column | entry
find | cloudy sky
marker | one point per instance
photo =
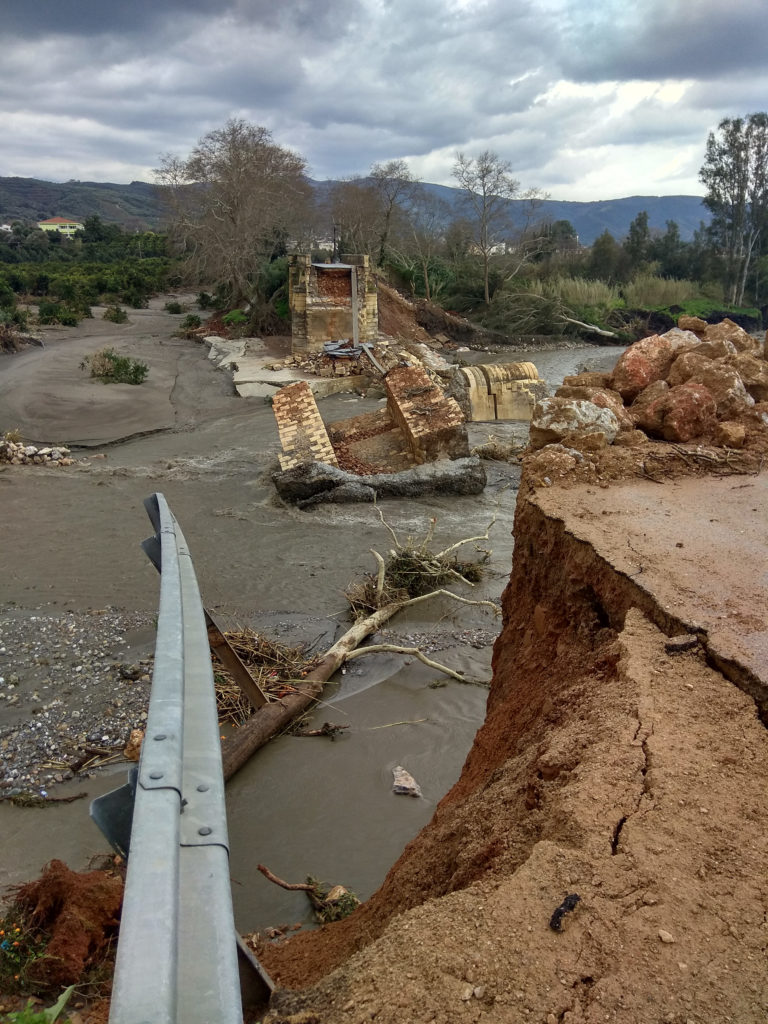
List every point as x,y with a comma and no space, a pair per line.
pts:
588,99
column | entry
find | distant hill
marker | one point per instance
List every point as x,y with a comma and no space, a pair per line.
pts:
614,215
139,206
132,206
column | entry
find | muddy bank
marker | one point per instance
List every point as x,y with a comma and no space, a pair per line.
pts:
613,765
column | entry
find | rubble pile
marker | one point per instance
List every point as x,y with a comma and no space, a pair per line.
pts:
698,382
19,454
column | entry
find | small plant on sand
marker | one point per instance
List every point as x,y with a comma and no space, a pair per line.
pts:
13,435
29,1015
111,368
174,307
115,314
189,325
205,300
20,946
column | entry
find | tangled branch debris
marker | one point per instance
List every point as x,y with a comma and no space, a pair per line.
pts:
330,903
414,571
275,667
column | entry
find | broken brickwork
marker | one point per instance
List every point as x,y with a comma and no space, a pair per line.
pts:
331,302
301,428
433,424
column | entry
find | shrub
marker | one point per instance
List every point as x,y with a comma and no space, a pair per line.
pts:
135,298
56,313
115,314
174,307
190,322
647,291
205,300
235,318
111,368
578,292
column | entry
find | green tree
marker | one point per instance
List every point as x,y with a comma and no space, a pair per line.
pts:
235,201
637,244
607,259
735,173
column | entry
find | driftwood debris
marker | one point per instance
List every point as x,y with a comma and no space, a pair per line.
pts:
413,573
326,729
330,902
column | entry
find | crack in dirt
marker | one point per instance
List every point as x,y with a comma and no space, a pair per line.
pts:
646,790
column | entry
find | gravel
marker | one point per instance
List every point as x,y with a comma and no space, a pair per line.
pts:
72,686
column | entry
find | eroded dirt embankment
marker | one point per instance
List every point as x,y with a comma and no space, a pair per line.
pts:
608,767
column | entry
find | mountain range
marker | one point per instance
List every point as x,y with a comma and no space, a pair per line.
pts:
139,206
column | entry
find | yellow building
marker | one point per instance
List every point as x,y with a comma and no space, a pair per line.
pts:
61,224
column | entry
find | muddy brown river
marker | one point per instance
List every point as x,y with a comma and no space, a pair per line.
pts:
302,806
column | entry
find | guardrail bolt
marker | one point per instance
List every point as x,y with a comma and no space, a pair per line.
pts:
160,736
155,775
203,787
204,831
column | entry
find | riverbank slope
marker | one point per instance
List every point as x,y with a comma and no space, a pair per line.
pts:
621,761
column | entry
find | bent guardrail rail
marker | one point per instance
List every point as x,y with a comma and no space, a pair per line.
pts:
177,955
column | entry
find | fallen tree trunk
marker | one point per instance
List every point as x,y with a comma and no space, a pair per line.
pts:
271,718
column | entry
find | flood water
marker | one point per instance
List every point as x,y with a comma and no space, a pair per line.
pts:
302,806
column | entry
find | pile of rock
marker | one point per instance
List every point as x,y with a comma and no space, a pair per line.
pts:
698,381
19,454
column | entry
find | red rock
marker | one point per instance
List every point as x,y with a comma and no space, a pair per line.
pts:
725,385
643,363
684,367
646,410
689,411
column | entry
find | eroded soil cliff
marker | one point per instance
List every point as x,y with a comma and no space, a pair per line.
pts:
614,765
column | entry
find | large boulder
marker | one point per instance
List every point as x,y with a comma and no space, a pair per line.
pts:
727,330
726,387
555,418
603,397
694,324
717,348
689,411
648,360
647,409
754,373
685,366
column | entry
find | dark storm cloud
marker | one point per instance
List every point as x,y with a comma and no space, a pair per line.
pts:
87,18
558,87
661,39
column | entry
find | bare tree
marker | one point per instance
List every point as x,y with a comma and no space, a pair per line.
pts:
354,208
234,201
488,187
735,172
395,187
423,237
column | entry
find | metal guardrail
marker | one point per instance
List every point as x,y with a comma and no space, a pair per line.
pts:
177,955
